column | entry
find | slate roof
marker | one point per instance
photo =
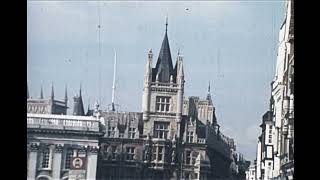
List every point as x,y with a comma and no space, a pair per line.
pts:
78,109
164,67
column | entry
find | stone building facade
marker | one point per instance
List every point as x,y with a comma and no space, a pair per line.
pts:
62,146
281,112
174,137
47,106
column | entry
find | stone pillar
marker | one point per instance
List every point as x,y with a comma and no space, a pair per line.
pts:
92,162
57,157
32,164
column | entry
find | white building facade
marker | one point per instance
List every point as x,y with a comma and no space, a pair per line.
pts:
277,132
251,172
62,147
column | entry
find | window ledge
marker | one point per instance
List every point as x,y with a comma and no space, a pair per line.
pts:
44,169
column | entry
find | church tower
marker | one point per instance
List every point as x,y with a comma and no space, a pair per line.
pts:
162,102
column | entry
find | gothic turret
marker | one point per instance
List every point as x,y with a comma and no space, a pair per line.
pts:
146,86
180,82
78,109
209,95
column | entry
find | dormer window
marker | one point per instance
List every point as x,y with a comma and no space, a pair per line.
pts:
190,136
132,132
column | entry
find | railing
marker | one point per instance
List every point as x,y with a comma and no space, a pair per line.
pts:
62,122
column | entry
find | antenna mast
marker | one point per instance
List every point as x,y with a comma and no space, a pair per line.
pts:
114,80
220,75
99,36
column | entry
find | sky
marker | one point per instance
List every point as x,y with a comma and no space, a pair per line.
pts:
232,44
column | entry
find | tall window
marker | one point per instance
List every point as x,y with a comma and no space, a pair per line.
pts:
194,157
69,155
154,153
190,136
130,153
160,153
270,138
161,130
114,152
188,157
270,129
45,158
111,131
132,132
162,104
157,153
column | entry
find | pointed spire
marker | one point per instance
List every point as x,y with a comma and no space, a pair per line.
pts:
52,91
66,94
88,106
181,72
80,94
164,63
41,92
78,109
209,95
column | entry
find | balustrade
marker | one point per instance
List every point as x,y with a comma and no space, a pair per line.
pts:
62,123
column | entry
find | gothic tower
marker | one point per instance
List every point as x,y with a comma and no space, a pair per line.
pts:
162,103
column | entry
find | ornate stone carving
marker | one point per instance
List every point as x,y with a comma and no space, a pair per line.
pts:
93,149
34,147
82,150
58,148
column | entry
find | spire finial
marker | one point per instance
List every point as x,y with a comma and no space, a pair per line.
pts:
209,88
52,91
41,92
80,90
66,94
88,105
167,22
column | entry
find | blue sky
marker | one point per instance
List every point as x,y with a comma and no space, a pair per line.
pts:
245,33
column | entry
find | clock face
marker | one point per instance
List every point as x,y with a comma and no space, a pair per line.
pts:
77,163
